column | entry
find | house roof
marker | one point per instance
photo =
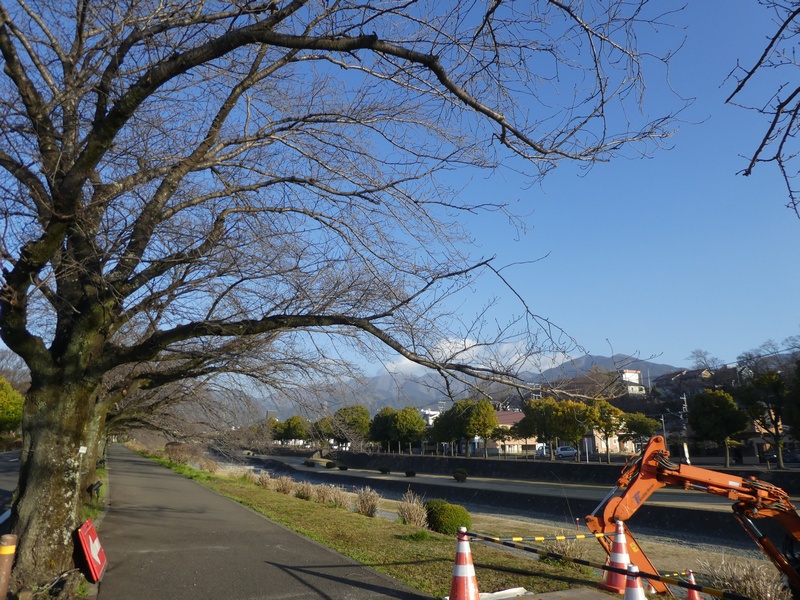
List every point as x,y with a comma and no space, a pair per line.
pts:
509,417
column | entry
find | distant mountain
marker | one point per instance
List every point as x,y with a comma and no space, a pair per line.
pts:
427,391
584,364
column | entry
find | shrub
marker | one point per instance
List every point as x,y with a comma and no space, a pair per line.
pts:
305,490
236,473
434,503
447,518
330,465
140,448
284,485
460,475
384,469
179,453
367,501
411,473
566,547
251,477
264,480
208,465
331,495
411,510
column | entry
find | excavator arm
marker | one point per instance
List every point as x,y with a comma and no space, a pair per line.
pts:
753,499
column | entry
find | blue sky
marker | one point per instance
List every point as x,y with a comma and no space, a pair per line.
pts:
659,256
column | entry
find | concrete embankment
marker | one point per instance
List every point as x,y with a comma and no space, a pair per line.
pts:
547,470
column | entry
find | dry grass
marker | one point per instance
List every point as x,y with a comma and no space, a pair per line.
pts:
234,472
140,448
208,465
332,495
757,581
285,485
367,501
571,547
305,490
412,511
180,453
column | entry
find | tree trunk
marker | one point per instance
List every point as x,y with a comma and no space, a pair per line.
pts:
59,454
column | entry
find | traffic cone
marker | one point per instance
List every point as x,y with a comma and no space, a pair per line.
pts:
615,582
464,585
692,594
633,585
648,587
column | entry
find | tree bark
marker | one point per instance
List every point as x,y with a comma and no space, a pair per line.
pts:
54,468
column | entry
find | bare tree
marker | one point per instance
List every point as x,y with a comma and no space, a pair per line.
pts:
177,177
14,370
702,359
769,85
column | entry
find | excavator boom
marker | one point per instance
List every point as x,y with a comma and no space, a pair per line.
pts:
752,499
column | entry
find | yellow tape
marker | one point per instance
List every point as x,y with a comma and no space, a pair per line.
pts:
8,549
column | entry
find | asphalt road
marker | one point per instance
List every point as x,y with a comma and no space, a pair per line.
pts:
9,474
166,536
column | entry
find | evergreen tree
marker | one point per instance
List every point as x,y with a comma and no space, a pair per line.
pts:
714,415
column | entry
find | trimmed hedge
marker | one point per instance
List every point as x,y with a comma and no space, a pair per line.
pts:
446,518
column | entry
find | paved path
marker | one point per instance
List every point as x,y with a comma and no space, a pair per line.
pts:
167,537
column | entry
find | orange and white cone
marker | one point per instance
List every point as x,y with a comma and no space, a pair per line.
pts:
692,594
648,587
464,585
633,585
615,582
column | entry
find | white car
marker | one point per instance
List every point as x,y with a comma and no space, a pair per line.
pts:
566,452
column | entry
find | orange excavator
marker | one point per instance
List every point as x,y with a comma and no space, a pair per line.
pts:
752,499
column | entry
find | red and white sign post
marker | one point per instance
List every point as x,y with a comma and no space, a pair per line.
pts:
95,556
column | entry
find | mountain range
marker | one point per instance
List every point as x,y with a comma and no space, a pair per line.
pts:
427,391
584,364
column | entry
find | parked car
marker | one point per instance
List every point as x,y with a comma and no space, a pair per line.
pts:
566,452
791,456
